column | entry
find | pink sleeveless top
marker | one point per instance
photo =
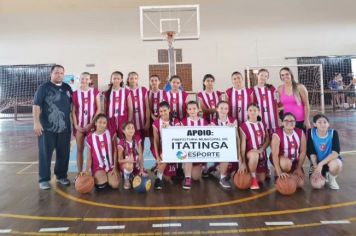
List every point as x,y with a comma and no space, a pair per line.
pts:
290,105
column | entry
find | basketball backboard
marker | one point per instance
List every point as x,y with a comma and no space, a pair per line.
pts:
184,20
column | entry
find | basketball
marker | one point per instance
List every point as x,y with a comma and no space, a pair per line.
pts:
84,184
243,180
299,180
141,184
317,181
286,186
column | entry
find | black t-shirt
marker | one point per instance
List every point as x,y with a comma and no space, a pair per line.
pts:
55,103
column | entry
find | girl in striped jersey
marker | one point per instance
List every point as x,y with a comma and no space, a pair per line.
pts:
140,107
223,119
254,141
130,154
86,105
192,120
163,121
118,106
155,97
264,96
208,98
288,148
177,99
100,158
238,98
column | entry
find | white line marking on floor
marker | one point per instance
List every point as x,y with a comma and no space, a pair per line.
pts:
335,222
104,227
18,162
21,171
166,225
223,224
348,152
274,223
5,231
59,229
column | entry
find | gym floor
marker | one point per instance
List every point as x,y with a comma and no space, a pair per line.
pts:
206,209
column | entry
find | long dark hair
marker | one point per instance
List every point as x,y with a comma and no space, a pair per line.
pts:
108,92
99,116
268,86
128,76
217,105
207,76
166,104
294,83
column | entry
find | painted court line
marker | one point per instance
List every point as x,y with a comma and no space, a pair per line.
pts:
166,225
5,231
107,227
22,170
278,223
223,224
60,229
335,222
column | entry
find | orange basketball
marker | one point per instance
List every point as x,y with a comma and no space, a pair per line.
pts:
317,181
299,180
243,180
84,184
286,186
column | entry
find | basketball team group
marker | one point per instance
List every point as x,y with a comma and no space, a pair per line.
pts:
265,117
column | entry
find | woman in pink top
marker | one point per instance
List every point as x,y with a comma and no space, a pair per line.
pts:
294,98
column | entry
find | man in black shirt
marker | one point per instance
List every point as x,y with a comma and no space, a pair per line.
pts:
51,116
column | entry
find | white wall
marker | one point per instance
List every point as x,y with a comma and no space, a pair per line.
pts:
234,34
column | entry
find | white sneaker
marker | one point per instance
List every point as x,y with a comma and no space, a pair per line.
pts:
45,185
332,182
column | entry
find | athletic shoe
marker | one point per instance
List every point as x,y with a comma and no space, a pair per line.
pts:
45,185
332,182
225,183
187,183
63,181
158,184
205,174
127,184
254,184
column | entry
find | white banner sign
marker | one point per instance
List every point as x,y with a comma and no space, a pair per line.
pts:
199,144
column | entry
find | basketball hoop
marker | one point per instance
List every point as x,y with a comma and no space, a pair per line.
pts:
169,37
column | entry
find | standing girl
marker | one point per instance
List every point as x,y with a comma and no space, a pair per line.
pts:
208,98
86,106
264,96
177,99
238,97
118,106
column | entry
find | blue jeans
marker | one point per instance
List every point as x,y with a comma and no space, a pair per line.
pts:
47,142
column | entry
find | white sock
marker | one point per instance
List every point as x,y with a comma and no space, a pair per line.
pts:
222,176
126,174
253,174
159,175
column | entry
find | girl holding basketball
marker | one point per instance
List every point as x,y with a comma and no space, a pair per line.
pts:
162,122
177,99
254,141
100,157
192,170
288,149
264,96
223,119
130,154
86,106
238,98
118,106
208,98
140,107
323,148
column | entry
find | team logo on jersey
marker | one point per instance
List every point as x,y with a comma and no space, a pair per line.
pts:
86,100
322,147
258,133
239,97
102,144
155,100
174,100
136,98
181,155
117,99
264,96
292,144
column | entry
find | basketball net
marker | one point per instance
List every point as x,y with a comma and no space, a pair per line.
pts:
170,38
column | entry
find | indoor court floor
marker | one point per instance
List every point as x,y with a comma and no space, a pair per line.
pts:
206,209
